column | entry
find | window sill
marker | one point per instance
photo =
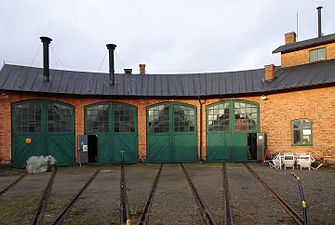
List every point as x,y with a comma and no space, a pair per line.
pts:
302,145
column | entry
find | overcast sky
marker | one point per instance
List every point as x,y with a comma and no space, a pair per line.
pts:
170,36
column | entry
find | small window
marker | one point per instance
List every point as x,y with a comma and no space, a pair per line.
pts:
317,54
302,132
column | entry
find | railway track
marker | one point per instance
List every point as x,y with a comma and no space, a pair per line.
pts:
228,218
38,217
124,213
12,184
59,219
205,213
143,219
295,216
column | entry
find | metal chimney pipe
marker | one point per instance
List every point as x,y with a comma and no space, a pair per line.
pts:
111,48
319,21
46,41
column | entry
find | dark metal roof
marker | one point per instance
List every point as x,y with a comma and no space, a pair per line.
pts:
305,44
30,79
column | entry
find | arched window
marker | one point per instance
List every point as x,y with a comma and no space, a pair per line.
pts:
301,132
159,120
218,117
60,118
110,117
237,116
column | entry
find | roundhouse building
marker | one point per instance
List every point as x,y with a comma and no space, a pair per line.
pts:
172,117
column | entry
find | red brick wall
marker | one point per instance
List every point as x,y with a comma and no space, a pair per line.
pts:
276,114
279,110
302,56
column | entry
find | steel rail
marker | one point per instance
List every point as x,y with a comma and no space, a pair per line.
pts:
12,184
297,218
38,217
206,215
143,219
124,213
226,198
64,212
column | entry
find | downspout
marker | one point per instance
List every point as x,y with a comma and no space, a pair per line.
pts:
201,102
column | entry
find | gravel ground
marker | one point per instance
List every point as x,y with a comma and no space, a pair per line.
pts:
319,189
67,183
173,202
251,202
100,202
139,180
19,203
207,178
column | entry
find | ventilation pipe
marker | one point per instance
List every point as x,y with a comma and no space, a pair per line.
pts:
46,41
319,21
111,48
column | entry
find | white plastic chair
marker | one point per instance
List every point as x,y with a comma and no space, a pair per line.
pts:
288,160
275,162
305,161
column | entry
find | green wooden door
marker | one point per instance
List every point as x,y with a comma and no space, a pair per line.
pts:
115,125
42,127
228,126
171,133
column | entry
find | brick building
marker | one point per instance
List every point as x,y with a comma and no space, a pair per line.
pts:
172,117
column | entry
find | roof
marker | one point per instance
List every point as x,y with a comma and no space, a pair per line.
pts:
305,44
30,79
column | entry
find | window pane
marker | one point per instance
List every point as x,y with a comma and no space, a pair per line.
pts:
27,117
97,118
60,118
184,119
159,119
218,117
317,54
307,124
124,118
297,137
296,124
306,139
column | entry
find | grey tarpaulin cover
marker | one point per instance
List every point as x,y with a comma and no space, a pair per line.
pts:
40,164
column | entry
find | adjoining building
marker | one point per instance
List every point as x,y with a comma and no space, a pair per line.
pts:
172,117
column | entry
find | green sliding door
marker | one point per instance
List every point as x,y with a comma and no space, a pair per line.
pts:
171,133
